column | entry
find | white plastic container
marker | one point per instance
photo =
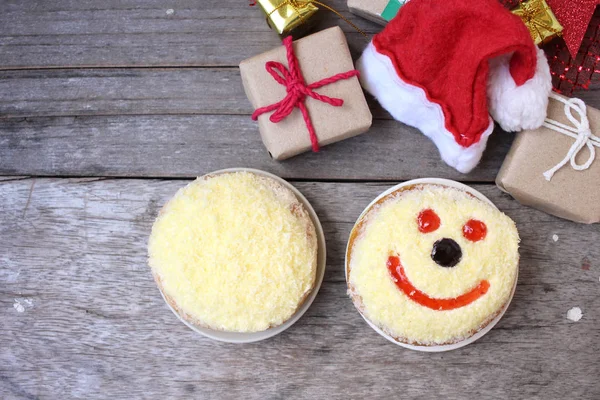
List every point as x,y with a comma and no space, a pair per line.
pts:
479,334
237,337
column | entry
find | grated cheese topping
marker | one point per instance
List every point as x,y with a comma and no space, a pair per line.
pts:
391,228
234,253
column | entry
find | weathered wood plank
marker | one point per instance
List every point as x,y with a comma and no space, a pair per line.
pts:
81,317
103,145
147,91
60,33
187,146
122,91
79,92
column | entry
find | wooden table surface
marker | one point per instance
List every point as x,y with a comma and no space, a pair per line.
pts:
107,108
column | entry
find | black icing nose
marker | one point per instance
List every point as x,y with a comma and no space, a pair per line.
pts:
446,253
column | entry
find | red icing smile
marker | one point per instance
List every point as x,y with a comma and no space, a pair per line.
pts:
401,280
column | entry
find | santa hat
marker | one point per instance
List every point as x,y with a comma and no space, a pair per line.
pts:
441,65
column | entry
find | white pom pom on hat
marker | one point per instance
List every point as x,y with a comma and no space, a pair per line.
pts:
517,107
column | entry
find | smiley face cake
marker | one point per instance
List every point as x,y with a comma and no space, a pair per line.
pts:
234,252
432,265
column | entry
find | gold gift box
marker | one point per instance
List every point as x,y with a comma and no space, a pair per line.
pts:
285,15
539,19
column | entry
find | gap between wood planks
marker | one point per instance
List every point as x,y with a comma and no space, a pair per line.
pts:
86,179
115,66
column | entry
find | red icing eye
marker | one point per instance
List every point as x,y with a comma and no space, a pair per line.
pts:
474,230
428,221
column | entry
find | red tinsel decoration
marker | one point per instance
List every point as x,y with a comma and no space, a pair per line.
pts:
575,16
571,74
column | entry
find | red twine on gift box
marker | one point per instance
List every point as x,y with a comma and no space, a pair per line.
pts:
297,90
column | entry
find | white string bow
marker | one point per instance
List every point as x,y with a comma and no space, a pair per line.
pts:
580,131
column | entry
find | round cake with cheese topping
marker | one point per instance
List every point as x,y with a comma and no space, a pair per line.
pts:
234,252
432,265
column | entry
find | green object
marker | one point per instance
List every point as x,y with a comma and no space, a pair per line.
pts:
392,8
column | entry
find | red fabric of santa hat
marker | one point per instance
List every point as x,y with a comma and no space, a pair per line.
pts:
444,66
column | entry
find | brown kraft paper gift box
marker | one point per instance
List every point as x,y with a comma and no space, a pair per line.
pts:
320,56
369,9
570,194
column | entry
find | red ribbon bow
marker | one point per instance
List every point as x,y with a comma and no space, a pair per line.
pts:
297,90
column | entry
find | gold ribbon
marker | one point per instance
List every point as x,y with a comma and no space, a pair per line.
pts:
539,19
297,4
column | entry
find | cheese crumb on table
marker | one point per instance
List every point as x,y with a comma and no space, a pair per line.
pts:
574,314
